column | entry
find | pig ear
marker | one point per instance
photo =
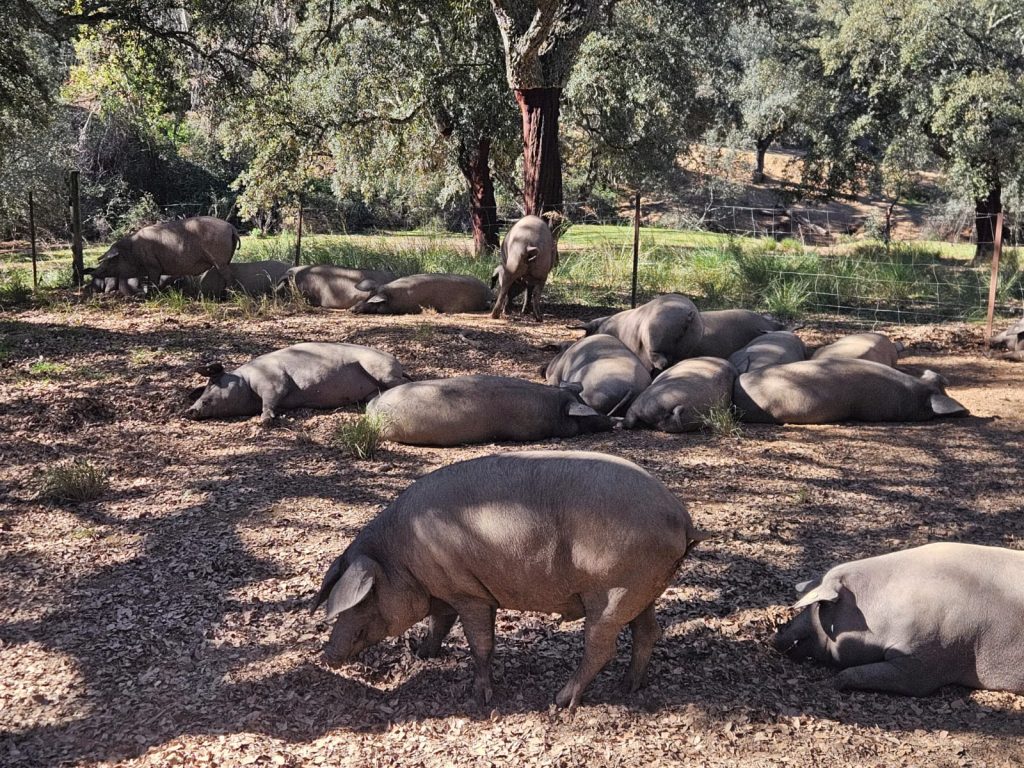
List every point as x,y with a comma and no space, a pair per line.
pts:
581,409
366,285
943,405
573,386
353,586
210,369
376,299
822,593
196,393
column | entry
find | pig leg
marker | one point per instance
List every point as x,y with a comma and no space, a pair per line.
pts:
905,675
504,285
478,624
440,623
272,397
646,632
599,638
535,300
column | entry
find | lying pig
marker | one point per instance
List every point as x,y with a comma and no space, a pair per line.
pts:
680,397
840,389
611,375
571,533
330,286
528,254
661,332
911,622
483,409
411,295
768,349
729,330
253,278
1012,338
310,375
862,346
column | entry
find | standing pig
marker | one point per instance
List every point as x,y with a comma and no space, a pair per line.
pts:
661,332
911,622
528,254
729,330
768,349
253,278
611,375
571,533
840,389
483,409
411,295
862,346
310,375
680,397
330,286
176,248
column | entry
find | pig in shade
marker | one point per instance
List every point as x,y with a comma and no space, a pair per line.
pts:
572,533
911,622
310,375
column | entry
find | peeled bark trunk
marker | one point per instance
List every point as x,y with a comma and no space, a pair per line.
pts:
542,161
985,210
483,210
762,149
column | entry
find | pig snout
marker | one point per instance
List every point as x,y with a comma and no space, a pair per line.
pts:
193,413
344,644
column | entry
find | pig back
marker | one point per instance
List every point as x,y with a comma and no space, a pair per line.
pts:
829,391
729,330
533,530
473,409
861,346
184,247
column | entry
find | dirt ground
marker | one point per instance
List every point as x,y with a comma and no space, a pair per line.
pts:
166,623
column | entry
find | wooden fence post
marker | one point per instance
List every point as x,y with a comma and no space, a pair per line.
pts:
298,236
636,246
32,239
77,263
997,251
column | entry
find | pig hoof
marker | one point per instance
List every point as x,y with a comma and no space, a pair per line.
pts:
567,699
483,691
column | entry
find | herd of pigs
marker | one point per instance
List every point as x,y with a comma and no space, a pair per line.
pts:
585,534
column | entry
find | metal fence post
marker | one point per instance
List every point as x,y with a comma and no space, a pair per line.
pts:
997,251
32,239
636,246
77,263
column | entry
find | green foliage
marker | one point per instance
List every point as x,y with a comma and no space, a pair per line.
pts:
786,299
722,421
73,481
14,288
362,437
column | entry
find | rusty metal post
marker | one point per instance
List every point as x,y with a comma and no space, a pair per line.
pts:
77,263
298,236
997,251
636,246
32,239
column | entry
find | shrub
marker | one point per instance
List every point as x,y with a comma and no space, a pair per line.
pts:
722,421
14,288
74,481
786,299
362,438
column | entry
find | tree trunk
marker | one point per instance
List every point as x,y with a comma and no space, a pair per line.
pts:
542,162
985,211
483,209
762,149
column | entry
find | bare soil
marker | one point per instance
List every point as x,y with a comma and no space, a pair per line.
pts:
166,623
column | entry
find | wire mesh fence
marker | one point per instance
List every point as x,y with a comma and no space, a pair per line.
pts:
830,260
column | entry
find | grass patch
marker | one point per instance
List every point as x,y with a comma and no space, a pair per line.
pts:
45,368
722,421
363,437
73,481
786,300
14,288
